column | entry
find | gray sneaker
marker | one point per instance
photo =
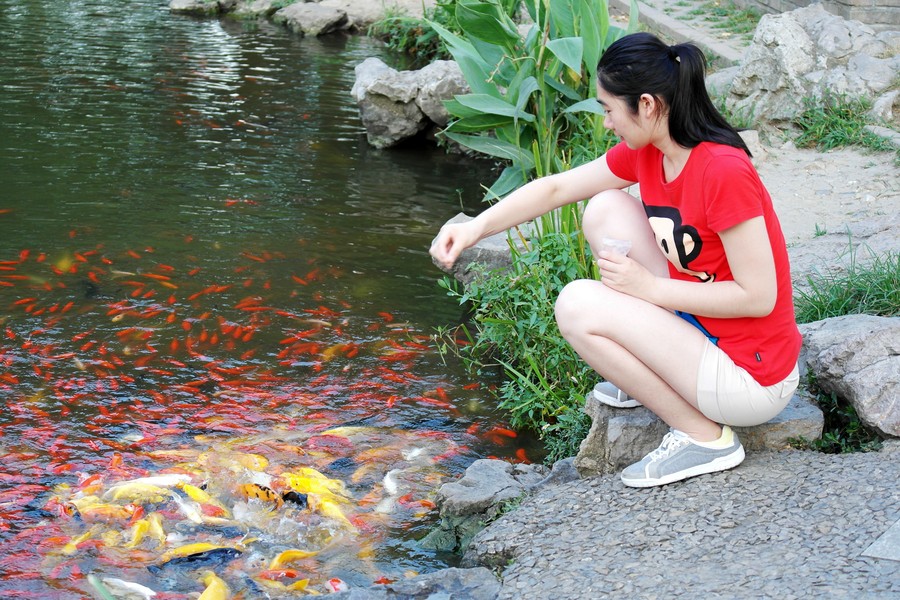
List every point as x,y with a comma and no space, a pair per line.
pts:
609,394
678,457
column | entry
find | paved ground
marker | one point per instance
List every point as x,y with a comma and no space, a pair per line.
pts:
782,525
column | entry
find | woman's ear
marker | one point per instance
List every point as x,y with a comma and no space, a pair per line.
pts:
648,105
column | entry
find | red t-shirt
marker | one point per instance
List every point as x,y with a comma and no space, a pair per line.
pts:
717,189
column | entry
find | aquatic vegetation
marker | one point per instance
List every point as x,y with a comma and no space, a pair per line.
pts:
174,429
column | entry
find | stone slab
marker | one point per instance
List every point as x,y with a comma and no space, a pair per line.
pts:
887,546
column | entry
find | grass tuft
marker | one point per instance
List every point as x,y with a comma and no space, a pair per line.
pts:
872,288
836,121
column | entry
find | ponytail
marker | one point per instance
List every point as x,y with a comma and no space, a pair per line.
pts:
641,63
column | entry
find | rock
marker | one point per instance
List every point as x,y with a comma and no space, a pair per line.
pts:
883,107
751,138
194,7
258,8
472,584
310,18
439,81
362,13
889,134
484,492
386,100
563,471
487,256
619,437
718,84
857,357
397,105
809,52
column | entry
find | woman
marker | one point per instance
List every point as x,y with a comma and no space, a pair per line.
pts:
696,321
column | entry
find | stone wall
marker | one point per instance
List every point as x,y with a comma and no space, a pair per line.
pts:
878,14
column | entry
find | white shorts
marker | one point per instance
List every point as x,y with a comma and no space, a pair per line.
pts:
728,394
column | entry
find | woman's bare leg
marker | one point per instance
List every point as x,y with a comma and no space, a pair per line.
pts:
645,350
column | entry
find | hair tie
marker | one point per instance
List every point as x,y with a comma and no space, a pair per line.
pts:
674,55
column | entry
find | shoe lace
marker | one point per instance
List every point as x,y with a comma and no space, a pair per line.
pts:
671,441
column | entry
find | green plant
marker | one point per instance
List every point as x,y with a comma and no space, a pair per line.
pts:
530,94
532,105
820,230
740,120
868,288
843,431
513,314
413,36
837,120
728,17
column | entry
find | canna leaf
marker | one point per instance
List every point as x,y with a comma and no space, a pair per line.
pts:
493,147
485,103
587,105
568,50
484,21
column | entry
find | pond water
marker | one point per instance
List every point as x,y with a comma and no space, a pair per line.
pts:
216,306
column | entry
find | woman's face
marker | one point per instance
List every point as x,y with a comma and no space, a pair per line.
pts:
633,129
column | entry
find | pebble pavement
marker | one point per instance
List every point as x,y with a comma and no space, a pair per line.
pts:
785,525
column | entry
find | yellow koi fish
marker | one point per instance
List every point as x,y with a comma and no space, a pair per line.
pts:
72,546
289,556
328,508
138,531
216,589
142,493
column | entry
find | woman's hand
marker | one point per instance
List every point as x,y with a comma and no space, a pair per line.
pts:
625,275
451,240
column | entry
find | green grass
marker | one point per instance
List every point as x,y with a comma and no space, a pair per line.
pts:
872,288
843,431
728,17
837,121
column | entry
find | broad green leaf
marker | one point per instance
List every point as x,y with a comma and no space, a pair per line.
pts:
493,147
478,123
569,50
593,25
512,178
525,89
496,106
633,16
485,21
588,105
563,18
474,68
563,89
458,110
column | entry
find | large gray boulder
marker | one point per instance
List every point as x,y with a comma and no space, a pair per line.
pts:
387,103
809,52
857,357
309,18
195,7
397,105
485,491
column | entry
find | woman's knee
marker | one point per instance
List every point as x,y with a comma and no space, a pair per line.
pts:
577,299
605,207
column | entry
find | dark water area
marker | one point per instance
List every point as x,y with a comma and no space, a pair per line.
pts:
216,306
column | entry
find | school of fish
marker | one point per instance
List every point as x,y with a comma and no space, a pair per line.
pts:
171,432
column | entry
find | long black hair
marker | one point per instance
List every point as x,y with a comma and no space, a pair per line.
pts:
641,63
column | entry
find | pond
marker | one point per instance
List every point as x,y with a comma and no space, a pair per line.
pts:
216,310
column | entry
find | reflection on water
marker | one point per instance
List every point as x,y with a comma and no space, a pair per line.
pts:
203,261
